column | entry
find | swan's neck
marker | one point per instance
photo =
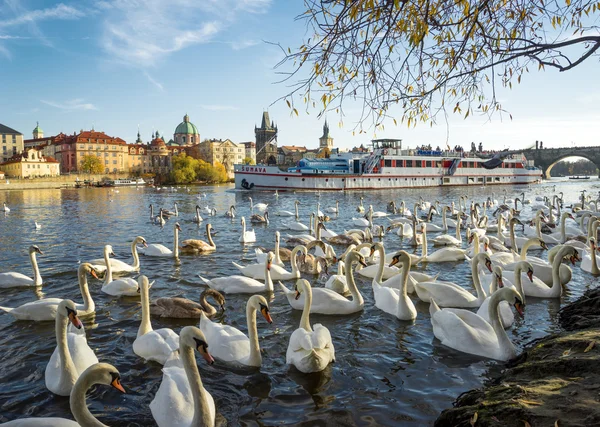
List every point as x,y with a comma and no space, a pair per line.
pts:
277,256
513,240
458,235
563,231
199,393
518,282
293,260
198,214
481,295
88,303
37,278
379,277
208,309
556,288
151,212
255,358
356,296
68,372
504,343
209,237
297,214
444,221
424,243
538,227
176,243
108,277
317,231
145,325
305,321
136,258
529,243
79,408
268,279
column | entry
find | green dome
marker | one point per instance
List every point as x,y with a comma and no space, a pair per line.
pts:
186,127
38,129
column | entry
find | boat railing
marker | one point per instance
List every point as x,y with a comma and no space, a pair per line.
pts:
373,160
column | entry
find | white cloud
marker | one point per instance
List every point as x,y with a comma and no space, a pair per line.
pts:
243,44
7,37
71,105
60,11
219,107
4,51
154,82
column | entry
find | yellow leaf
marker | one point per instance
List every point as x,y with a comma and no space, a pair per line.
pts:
566,353
590,346
473,419
296,111
288,103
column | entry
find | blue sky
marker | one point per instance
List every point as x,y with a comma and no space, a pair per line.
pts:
117,64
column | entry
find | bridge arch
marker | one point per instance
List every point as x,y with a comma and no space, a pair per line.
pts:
583,155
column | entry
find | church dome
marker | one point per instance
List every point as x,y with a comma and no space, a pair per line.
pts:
186,127
38,129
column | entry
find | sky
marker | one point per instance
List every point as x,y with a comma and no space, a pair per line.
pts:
115,65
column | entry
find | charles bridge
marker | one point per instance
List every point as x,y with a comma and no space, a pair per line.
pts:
546,158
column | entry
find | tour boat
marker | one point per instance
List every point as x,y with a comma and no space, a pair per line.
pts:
388,165
126,181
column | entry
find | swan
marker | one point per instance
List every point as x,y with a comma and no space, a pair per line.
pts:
181,399
13,279
446,239
288,213
231,212
390,300
45,309
126,286
589,262
183,308
171,213
259,206
99,373
296,226
309,350
447,254
539,289
242,284
360,208
260,219
257,271
335,210
6,208
119,266
344,239
477,247
158,250
198,218
247,236
337,282
194,246
465,331
210,211
261,257
160,219
364,222
449,294
37,226
72,354
230,344
506,315
327,301
157,345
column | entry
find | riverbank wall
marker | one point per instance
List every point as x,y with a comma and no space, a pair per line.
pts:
63,181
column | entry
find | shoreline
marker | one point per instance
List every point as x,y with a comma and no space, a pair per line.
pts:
555,381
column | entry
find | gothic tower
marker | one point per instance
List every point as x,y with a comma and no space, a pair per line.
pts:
326,141
266,141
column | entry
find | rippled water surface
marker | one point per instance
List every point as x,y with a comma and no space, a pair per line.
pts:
387,372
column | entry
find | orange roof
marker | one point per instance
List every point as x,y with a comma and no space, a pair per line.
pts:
293,148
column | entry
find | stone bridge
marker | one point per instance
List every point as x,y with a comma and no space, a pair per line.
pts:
546,158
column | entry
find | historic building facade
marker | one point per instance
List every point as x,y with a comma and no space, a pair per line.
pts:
11,142
226,152
266,141
186,133
112,151
250,148
30,163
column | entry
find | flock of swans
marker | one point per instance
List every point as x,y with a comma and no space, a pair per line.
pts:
503,276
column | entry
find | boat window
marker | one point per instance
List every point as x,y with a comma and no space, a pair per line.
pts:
388,163
446,180
428,163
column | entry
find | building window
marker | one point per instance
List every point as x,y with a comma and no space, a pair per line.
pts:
114,162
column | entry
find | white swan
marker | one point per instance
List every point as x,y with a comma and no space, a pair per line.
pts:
465,331
232,345
506,315
181,399
157,345
393,301
45,309
326,301
125,286
337,282
242,284
449,294
334,210
119,266
447,254
247,236
309,350
288,213
261,257
360,208
72,354
589,262
6,208
197,218
539,289
259,206
446,239
100,373
296,226
13,279
158,250
257,271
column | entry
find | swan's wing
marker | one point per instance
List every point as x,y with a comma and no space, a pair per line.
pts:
81,353
225,342
173,403
300,340
237,284
125,286
321,337
463,330
157,249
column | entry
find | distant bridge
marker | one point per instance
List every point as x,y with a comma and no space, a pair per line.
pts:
546,158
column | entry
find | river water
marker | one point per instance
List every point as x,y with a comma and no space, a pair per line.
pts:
387,372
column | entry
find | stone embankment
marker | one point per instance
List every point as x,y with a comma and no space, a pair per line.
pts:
63,181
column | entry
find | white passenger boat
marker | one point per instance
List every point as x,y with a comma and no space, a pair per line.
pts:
126,181
390,166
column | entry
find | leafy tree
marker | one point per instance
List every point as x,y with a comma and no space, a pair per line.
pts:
91,164
248,161
183,169
430,56
221,173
